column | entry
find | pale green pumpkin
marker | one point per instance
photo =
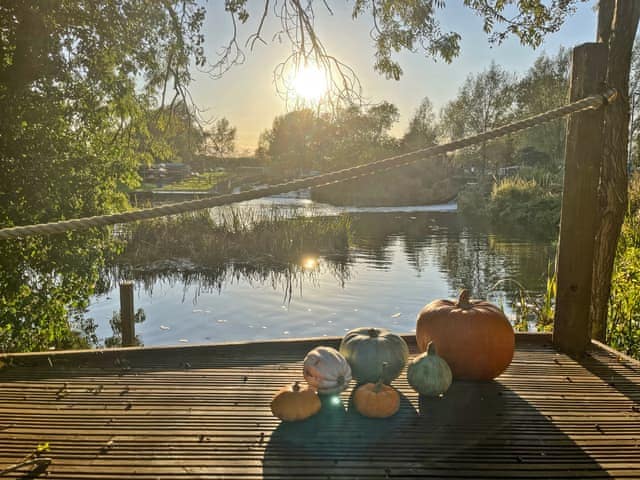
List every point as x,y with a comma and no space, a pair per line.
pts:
368,349
429,374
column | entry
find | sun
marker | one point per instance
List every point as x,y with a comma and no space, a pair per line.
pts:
310,83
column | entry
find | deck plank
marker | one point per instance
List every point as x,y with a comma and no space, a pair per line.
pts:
203,412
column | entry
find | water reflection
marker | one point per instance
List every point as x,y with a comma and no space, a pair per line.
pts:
309,263
392,264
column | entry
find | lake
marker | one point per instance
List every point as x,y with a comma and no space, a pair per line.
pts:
399,260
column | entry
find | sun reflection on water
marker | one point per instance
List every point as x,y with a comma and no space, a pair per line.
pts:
309,263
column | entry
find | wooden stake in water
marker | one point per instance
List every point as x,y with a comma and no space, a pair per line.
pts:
126,314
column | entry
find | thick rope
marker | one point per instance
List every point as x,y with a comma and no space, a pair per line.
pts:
592,102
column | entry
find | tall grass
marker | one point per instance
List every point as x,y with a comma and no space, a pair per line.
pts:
210,248
538,309
519,201
623,326
248,236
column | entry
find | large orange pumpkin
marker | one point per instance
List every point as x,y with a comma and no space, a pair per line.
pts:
473,336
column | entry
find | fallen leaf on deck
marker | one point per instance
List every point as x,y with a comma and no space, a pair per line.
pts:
42,447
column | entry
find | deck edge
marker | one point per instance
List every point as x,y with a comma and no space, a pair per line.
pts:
613,351
527,337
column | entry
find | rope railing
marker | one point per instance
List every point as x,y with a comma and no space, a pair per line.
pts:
591,102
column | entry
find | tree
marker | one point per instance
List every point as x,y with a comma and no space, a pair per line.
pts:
485,101
221,139
295,143
544,87
302,140
423,130
634,97
172,134
78,80
398,25
362,134
617,27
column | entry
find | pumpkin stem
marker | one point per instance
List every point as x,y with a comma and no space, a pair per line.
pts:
373,332
340,380
431,349
380,383
463,300
296,387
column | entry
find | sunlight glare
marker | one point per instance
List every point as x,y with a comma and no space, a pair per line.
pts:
310,83
309,263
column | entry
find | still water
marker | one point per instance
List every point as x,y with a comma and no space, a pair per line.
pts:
400,259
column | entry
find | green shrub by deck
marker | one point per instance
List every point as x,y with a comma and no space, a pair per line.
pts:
623,325
524,202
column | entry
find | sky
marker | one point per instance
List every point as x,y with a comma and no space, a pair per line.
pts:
247,97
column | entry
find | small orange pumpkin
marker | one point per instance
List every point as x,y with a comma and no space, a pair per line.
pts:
294,403
474,337
377,400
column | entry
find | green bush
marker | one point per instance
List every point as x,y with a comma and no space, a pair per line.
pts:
623,326
473,200
517,201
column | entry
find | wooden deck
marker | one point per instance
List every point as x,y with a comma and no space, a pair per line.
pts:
203,412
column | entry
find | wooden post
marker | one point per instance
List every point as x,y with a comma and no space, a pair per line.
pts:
126,314
623,20
579,219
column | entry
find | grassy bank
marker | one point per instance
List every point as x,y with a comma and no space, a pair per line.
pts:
244,239
203,182
424,183
526,201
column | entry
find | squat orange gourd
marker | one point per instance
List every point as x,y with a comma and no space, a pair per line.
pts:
473,336
293,403
377,400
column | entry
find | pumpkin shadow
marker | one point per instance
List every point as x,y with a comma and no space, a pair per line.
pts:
332,439
366,433
477,429
470,412
315,434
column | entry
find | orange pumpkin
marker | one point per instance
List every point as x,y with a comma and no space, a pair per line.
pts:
376,400
293,403
473,336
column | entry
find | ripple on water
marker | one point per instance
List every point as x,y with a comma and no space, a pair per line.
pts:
398,264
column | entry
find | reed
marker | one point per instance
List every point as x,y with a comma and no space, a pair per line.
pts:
231,235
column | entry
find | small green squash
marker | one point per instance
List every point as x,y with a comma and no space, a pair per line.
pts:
368,349
429,374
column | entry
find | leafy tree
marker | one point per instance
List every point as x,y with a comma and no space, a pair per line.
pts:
295,143
78,78
362,134
423,129
221,139
544,87
412,25
634,97
172,134
302,140
485,101
77,82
